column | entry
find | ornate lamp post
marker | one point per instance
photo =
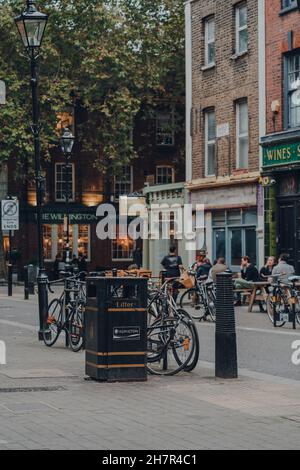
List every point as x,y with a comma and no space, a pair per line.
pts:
67,143
31,25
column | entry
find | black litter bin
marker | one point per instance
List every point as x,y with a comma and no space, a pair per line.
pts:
116,329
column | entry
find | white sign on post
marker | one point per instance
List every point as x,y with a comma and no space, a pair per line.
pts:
10,214
2,92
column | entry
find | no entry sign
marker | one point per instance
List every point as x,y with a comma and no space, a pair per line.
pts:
10,214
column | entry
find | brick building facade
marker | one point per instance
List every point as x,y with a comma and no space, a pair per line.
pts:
223,155
161,162
281,143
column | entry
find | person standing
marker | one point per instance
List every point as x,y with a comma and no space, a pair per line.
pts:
173,266
82,264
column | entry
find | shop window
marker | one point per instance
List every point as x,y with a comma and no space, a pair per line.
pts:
47,240
122,250
64,181
164,175
234,217
209,27
83,240
124,182
219,219
241,24
165,134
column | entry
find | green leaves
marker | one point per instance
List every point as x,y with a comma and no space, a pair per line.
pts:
117,56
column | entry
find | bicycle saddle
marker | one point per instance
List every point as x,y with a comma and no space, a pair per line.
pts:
294,278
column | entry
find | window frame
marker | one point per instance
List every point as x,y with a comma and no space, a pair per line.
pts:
157,133
63,199
116,181
169,167
286,89
113,251
240,135
239,29
208,142
207,43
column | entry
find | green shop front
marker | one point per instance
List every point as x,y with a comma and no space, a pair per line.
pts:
281,180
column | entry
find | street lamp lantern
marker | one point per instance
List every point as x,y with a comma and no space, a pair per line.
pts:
31,25
67,142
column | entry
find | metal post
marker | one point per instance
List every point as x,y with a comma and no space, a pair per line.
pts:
42,276
226,344
10,267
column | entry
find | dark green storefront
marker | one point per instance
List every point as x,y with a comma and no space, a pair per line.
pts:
281,180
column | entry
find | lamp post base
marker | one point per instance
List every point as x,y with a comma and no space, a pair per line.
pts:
42,281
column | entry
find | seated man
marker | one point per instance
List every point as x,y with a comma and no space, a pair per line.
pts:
218,268
284,269
249,275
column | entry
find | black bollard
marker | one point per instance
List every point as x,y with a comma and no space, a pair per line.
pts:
226,344
10,279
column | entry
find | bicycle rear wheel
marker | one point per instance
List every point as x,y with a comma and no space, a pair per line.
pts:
171,345
54,323
274,307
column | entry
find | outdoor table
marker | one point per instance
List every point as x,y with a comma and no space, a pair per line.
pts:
258,286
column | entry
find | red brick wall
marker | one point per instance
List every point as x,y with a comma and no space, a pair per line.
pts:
277,29
231,80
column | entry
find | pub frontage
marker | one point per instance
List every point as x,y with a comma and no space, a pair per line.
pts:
281,179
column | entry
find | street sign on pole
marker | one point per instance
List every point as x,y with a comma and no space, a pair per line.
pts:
2,92
10,214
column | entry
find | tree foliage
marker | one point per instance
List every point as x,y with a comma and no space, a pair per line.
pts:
114,56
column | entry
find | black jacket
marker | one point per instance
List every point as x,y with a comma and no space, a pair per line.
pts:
251,274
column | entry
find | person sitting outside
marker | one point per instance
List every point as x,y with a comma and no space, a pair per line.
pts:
267,270
218,268
249,275
284,269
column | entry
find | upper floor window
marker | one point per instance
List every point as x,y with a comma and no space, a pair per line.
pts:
164,175
64,182
292,89
210,143
241,24
165,134
242,132
288,4
124,182
210,50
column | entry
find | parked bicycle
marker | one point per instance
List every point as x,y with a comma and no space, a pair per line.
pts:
66,313
283,302
173,341
200,300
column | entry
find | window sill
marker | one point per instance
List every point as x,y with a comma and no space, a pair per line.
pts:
208,67
287,10
240,55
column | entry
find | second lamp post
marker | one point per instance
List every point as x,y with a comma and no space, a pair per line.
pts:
67,143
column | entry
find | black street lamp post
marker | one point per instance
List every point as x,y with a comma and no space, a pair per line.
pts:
31,25
67,144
